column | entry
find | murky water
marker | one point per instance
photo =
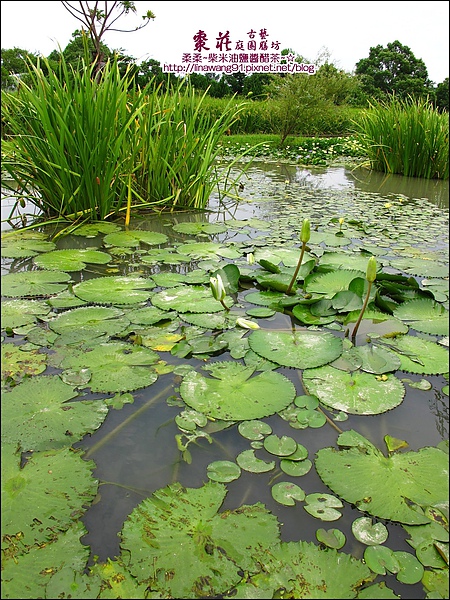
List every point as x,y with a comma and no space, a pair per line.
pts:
135,451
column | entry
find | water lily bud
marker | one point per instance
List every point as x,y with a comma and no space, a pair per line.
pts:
371,274
250,258
306,231
246,324
217,288
341,221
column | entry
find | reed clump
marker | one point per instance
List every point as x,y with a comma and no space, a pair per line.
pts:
408,137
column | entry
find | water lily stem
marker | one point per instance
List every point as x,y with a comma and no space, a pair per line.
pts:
299,264
361,314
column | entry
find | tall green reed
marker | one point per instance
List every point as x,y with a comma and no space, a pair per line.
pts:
408,137
83,146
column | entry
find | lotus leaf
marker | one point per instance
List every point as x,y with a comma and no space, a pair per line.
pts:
420,356
71,260
234,395
301,349
178,532
27,575
38,415
116,366
17,364
357,393
114,290
267,298
395,488
425,315
186,298
133,238
34,283
16,313
46,495
377,591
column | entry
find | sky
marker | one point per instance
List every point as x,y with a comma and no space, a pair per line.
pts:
344,30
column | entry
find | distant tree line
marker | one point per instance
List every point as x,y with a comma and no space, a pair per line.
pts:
387,70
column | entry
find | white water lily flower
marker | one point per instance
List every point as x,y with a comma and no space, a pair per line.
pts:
217,288
246,324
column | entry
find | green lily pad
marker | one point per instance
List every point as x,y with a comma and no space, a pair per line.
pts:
234,395
188,298
304,314
38,415
17,363
380,559
425,315
71,260
323,506
24,244
254,430
16,313
295,468
301,350
114,290
357,393
394,488
420,356
46,495
280,446
200,228
34,283
165,256
377,360
287,493
179,544
249,462
115,366
88,322
419,266
149,315
223,471
332,538
331,283
206,250
369,533
411,570
133,238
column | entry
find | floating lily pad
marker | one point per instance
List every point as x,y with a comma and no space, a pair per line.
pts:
369,533
24,244
46,495
295,468
425,315
280,446
323,506
304,314
378,360
234,395
200,228
38,414
165,256
331,283
395,488
381,559
34,283
249,462
71,260
115,366
287,493
16,313
301,350
114,290
89,322
17,363
178,531
419,266
254,430
133,238
357,393
223,471
420,356
195,298
332,538
208,250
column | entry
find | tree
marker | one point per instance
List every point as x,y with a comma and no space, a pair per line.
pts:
393,70
98,22
441,95
16,63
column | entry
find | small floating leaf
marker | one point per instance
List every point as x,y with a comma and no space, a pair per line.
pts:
368,533
332,538
323,506
249,462
287,493
223,471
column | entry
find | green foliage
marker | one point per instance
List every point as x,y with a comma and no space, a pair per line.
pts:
393,69
408,137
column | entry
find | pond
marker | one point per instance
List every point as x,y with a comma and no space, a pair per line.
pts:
154,435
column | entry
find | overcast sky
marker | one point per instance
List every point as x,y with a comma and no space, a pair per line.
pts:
347,30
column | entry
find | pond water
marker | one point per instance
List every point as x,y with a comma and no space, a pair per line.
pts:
135,449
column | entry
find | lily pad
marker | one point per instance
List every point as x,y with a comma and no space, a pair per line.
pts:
17,363
369,533
395,488
420,356
34,283
38,414
188,298
280,446
381,559
199,228
357,393
248,461
254,430
71,260
331,283
89,322
223,471
16,313
287,493
115,366
425,315
234,395
301,350
179,544
24,244
133,238
323,506
114,290
332,538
